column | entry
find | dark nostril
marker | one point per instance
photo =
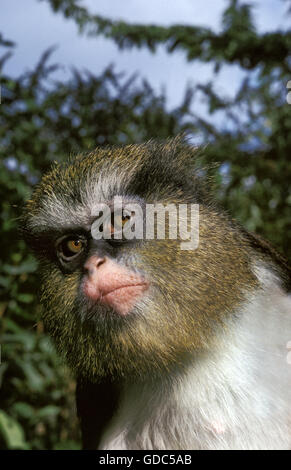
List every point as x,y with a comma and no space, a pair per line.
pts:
99,262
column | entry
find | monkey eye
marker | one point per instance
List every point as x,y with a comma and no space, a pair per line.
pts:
115,224
118,221
70,247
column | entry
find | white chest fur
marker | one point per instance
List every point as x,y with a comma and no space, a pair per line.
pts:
236,397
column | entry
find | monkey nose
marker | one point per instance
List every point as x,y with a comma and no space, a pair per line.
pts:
93,263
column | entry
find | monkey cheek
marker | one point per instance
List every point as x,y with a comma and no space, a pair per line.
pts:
91,291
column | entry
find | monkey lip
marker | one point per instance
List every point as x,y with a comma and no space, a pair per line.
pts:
121,298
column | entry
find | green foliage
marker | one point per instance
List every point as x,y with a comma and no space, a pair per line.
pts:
42,120
237,43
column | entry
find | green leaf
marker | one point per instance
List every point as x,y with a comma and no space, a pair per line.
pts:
35,381
12,432
48,411
24,410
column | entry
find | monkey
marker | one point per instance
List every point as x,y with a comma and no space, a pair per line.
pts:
171,348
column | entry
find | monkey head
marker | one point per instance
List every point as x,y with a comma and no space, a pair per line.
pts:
133,307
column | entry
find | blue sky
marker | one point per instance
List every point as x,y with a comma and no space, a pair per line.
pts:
34,28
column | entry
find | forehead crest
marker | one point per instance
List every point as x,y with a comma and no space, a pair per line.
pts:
67,194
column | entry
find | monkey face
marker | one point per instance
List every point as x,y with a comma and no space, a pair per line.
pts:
128,307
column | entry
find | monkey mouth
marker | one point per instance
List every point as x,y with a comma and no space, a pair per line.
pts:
123,298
